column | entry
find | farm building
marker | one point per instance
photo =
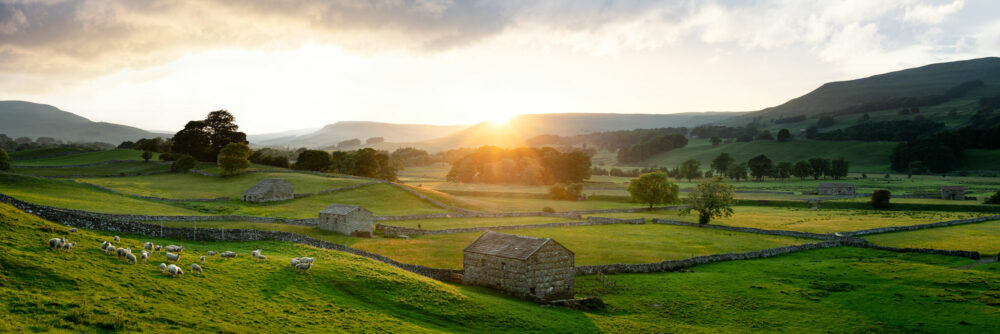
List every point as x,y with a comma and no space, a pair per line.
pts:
533,268
836,189
953,192
349,220
269,190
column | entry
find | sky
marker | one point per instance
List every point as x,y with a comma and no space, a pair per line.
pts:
293,64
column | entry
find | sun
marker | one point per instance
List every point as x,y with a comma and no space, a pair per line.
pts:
498,118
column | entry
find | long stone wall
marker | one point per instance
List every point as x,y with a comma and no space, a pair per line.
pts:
128,226
399,231
106,162
918,227
786,233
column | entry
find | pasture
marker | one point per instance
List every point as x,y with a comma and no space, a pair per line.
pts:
84,158
190,185
980,237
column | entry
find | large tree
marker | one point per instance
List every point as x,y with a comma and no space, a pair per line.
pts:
721,163
737,171
223,130
802,169
783,170
194,140
784,135
234,158
689,170
838,168
760,166
820,167
711,198
653,188
314,160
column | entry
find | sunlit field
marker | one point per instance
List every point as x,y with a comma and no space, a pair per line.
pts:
980,237
84,158
189,185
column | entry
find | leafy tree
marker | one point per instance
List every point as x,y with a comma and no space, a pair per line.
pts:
994,199
715,141
820,167
783,170
811,132
182,164
711,198
234,158
570,192
689,170
653,188
721,163
146,155
314,160
194,140
760,166
737,171
126,145
880,199
784,135
223,130
366,162
4,160
838,168
342,162
802,169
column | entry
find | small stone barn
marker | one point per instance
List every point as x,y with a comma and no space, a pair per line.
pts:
955,193
532,268
349,220
836,189
269,190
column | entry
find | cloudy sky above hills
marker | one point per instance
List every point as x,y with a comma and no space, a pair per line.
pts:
280,65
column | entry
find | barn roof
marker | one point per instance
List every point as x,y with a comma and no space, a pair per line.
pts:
507,245
341,209
952,188
265,185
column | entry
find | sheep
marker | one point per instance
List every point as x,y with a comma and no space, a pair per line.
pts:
196,268
69,246
157,248
173,257
303,267
294,262
228,254
175,270
174,248
202,259
105,244
147,246
123,252
255,253
211,253
71,230
110,250
261,257
130,258
56,243
117,239
305,260
163,267
144,256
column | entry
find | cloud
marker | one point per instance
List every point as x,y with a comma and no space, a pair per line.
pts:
932,14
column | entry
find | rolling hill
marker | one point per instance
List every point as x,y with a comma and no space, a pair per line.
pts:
332,134
26,119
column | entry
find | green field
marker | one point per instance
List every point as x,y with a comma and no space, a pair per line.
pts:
65,194
84,158
191,185
863,156
598,244
808,220
447,223
835,290
116,168
980,237
41,152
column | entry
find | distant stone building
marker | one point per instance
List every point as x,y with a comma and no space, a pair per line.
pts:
269,190
955,193
836,189
526,267
349,220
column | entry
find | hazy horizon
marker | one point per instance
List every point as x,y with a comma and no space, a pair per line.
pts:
304,64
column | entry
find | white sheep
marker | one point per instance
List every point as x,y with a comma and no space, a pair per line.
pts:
173,257
294,262
105,244
123,252
56,243
228,254
255,253
163,267
261,257
175,270
144,256
130,258
211,253
117,239
303,267
202,259
174,248
157,248
305,260
69,246
71,230
147,246
110,250
196,268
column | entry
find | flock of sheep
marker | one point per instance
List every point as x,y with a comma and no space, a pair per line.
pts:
172,253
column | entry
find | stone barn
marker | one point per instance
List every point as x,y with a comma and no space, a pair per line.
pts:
532,268
269,190
836,189
955,193
349,220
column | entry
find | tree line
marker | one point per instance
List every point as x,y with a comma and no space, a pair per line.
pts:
366,162
522,165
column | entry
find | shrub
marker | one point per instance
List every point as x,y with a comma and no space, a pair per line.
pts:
146,155
167,157
880,199
234,158
653,188
570,192
4,160
995,199
182,164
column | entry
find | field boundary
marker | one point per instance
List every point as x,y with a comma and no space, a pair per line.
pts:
785,233
106,162
217,199
890,229
399,231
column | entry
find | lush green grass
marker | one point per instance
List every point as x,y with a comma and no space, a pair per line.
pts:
65,194
863,156
87,291
40,152
600,244
808,220
980,237
836,290
117,168
85,158
447,223
190,185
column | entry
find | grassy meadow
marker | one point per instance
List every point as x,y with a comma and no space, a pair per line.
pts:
115,168
70,195
980,237
190,185
83,158
870,157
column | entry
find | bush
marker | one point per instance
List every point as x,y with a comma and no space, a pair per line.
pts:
995,199
571,192
146,155
167,157
4,160
880,199
183,164
548,209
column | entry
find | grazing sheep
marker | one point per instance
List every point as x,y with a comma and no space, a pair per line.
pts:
147,246
202,259
104,245
71,230
196,268
211,253
173,257
305,260
130,258
123,252
228,254
303,267
175,270
117,239
261,257
163,267
255,253
69,246
56,243
295,261
110,250
174,248
157,248
144,256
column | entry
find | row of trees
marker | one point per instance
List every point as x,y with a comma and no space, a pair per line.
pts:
366,162
711,198
651,146
524,165
761,166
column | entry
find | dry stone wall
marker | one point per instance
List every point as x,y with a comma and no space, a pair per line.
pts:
919,227
747,229
398,231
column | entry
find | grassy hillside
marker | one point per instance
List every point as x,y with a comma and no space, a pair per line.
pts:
65,194
26,119
87,291
981,237
192,185
862,156
84,158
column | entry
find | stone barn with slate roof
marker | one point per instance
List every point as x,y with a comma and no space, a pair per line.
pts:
953,193
836,189
345,219
269,190
526,267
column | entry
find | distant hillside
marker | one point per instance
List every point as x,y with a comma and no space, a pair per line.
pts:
924,81
26,119
340,131
264,137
